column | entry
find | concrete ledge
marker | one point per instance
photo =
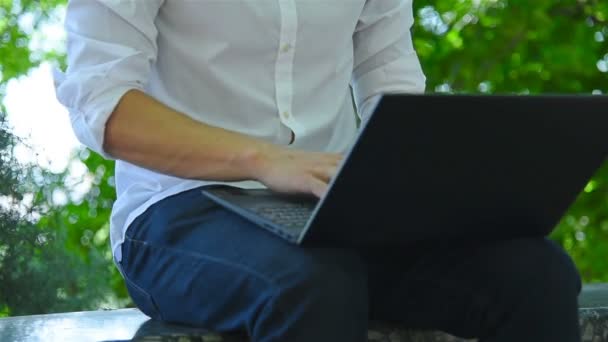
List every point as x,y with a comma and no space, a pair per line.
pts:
132,325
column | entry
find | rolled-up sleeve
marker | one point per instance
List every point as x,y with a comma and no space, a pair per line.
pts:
384,57
111,46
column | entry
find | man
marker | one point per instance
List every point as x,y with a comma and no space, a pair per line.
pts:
256,93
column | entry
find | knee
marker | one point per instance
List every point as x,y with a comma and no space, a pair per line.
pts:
547,267
339,281
537,287
561,272
326,298
324,286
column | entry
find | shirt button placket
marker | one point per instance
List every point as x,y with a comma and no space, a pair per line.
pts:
284,66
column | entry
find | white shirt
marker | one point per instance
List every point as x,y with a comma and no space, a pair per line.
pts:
265,68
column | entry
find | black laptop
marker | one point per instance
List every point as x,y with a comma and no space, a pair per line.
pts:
445,166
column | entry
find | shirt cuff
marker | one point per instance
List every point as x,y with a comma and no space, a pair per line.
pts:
89,123
368,107
403,75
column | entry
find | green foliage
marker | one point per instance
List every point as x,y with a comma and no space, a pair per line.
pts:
584,230
63,262
8,174
14,39
37,273
85,220
547,46
53,257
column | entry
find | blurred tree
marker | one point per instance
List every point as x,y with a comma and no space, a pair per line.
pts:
514,46
485,46
37,273
41,268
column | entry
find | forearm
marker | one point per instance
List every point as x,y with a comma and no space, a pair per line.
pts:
147,133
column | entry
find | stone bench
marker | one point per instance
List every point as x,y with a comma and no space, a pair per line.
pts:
132,325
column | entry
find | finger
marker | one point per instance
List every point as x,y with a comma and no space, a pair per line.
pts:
325,172
317,187
330,159
335,161
335,156
328,156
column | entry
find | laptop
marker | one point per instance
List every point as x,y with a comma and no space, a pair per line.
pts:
445,167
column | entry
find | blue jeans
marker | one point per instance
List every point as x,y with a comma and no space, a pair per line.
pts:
187,260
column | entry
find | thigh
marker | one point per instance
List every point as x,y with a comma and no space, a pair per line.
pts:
200,264
462,287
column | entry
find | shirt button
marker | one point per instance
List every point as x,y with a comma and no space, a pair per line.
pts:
285,48
286,115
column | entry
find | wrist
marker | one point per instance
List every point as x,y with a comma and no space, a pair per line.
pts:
255,160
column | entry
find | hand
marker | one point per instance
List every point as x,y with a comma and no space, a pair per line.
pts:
292,171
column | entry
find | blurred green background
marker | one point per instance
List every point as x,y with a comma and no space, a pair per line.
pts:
56,257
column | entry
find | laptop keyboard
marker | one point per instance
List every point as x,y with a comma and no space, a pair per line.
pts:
289,215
